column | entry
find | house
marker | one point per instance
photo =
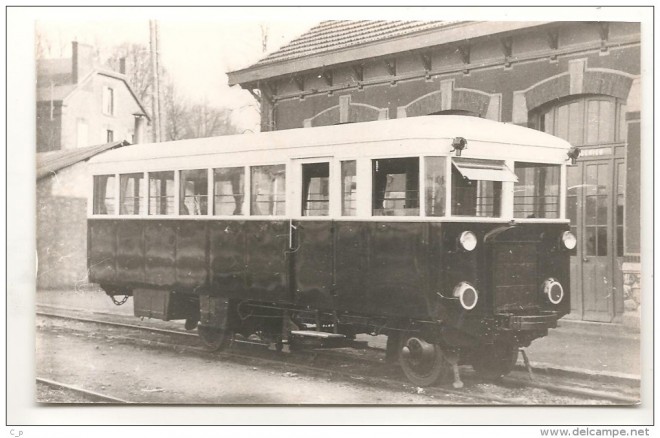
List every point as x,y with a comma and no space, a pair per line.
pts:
79,104
576,80
62,183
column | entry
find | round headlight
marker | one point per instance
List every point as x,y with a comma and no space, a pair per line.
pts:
553,290
468,240
467,295
569,240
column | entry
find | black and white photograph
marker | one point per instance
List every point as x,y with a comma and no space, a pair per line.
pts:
234,208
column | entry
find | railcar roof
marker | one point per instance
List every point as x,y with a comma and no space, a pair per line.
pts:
413,128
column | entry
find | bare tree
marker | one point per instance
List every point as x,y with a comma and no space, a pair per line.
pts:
175,112
204,120
138,67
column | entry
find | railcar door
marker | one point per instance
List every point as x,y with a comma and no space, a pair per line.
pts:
312,237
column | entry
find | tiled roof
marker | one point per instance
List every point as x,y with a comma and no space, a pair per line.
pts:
334,35
49,163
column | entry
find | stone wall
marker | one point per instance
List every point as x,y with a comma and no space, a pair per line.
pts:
61,232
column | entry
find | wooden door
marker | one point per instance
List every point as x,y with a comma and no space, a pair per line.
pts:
592,207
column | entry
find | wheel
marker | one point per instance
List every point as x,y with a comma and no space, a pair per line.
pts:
494,361
191,324
422,363
213,338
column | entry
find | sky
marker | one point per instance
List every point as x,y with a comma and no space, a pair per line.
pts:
197,54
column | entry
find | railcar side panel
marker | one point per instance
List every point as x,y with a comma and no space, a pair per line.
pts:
397,274
228,257
102,248
313,264
351,259
267,260
130,252
160,253
192,255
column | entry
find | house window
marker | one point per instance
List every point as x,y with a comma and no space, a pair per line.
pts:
108,101
396,187
109,136
587,121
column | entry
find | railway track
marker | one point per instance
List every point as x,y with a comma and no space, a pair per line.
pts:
85,393
334,360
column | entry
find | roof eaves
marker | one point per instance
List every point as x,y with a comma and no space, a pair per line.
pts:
123,78
433,37
50,165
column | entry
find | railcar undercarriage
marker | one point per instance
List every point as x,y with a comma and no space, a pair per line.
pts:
427,351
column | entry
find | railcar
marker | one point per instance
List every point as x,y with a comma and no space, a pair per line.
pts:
447,234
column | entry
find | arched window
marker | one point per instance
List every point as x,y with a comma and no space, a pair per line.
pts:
591,121
586,121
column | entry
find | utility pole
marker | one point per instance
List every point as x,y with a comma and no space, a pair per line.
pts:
154,48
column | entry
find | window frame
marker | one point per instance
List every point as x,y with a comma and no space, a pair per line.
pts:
142,200
420,184
175,194
293,190
247,181
182,195
561,185
618,119
108,99
115,199
287,189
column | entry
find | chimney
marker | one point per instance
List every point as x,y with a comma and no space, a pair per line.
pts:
138,130
82,61
122,65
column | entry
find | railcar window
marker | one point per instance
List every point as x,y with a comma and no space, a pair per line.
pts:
104,194
194,188
316,196
268,184
536,194
348,188
396,187
131,192
435,186
477,187
161,192
229,191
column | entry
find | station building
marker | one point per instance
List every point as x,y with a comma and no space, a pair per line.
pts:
576,80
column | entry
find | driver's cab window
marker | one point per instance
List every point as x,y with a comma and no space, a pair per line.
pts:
477,187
